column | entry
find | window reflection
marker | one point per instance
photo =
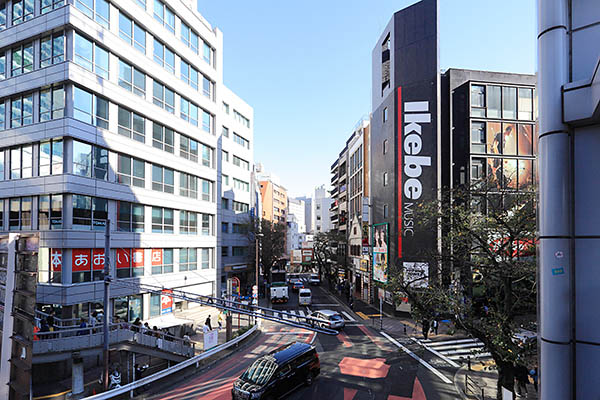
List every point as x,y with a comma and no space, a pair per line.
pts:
525,142
494,138
525,174
510,173
509,139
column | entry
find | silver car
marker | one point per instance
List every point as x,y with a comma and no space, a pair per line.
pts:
330,319
314,279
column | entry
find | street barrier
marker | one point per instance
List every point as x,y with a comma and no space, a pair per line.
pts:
166,372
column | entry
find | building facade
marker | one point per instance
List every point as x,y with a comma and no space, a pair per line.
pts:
320,211
432,130
274,200
237,200
113,113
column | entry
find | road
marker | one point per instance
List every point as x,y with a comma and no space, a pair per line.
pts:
359,363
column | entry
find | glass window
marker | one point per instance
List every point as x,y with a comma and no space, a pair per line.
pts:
493,102
478,100
163,97
207,87
207,53
525,103
206,260
477,169
132,125
224,203
52,103
139,38
224,227
206,190
509,170
164,56
494,173
97,10
241,185
164,15
241,141
494,138
130,217
22,111
50,211
22,59
82,212
189,74
189,37
82,158
525,139
163,138
155,304
240,162
162,220
22,11
239,207
189,111
2,66
478,137
51,157
91,56
125,28
188,222
509,139
2,15
188,148
163,179
131,171
525,174
21,162
132,79
90,108
238,251
225,132
52,49
188,185
225,179
509,103
99,213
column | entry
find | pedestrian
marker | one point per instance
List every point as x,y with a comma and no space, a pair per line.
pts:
93,321
207,323
147,329
534,377
82,325
220,320
156,332
51,321
425,328
44,328
137,325
434,326
522,377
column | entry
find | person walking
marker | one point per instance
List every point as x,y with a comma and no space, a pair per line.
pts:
434,326
220,320
93,321
82,325
522,377
207,323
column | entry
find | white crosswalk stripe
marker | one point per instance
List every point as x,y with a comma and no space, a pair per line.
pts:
457,350
300,314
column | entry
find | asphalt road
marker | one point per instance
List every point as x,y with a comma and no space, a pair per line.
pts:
359,363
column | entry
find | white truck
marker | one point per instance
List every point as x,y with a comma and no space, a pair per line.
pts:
279,288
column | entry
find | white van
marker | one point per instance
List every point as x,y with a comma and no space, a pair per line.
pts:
304,297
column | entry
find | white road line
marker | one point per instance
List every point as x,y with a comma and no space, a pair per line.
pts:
276,314
288,333
348,316
440,355
413,355
301,313
447,342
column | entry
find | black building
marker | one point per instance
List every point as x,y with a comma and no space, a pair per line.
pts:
431,130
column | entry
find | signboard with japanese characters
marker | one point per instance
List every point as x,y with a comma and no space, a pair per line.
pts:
166,302
157,257
81,260
56,260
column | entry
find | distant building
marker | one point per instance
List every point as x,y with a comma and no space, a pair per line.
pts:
320,211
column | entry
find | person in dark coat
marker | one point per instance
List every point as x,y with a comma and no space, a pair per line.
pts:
522,377
207,323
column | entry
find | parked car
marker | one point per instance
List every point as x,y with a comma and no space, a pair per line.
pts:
331,319
305,297
314,279
278,373
297,285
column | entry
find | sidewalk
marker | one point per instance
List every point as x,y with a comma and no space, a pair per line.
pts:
482,379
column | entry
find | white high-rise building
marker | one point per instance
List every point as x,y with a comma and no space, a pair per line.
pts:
116,111
321,220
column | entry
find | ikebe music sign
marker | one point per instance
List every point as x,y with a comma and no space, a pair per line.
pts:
380,252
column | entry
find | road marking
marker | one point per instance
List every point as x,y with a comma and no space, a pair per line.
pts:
377,341
348,316
288,333
440,355
327,305
344,339
413,355
301,313
362,315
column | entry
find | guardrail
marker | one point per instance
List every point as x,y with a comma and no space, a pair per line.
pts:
166,372
472,387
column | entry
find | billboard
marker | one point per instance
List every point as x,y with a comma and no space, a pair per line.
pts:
380,252
166,301
417,95
307,256
296,256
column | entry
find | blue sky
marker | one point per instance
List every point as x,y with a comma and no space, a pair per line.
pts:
305,67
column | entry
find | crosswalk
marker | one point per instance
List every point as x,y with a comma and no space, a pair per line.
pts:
297,314
457,350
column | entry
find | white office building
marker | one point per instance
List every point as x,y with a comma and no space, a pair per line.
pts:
321,203
116,111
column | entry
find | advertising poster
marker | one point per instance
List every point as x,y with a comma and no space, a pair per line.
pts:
166,301
296,256
380,252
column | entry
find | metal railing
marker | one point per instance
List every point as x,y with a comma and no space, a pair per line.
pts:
71,339
130,387
471,387
279,316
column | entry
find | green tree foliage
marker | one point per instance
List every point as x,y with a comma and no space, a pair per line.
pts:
484,275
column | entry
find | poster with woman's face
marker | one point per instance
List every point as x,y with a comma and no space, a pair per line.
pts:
380,253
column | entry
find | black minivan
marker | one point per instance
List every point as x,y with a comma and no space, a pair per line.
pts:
278,373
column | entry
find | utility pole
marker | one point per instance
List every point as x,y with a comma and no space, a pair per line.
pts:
106,302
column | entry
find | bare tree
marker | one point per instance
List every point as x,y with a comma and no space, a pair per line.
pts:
272,242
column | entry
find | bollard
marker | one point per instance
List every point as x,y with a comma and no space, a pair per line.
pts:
469,362
482,394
